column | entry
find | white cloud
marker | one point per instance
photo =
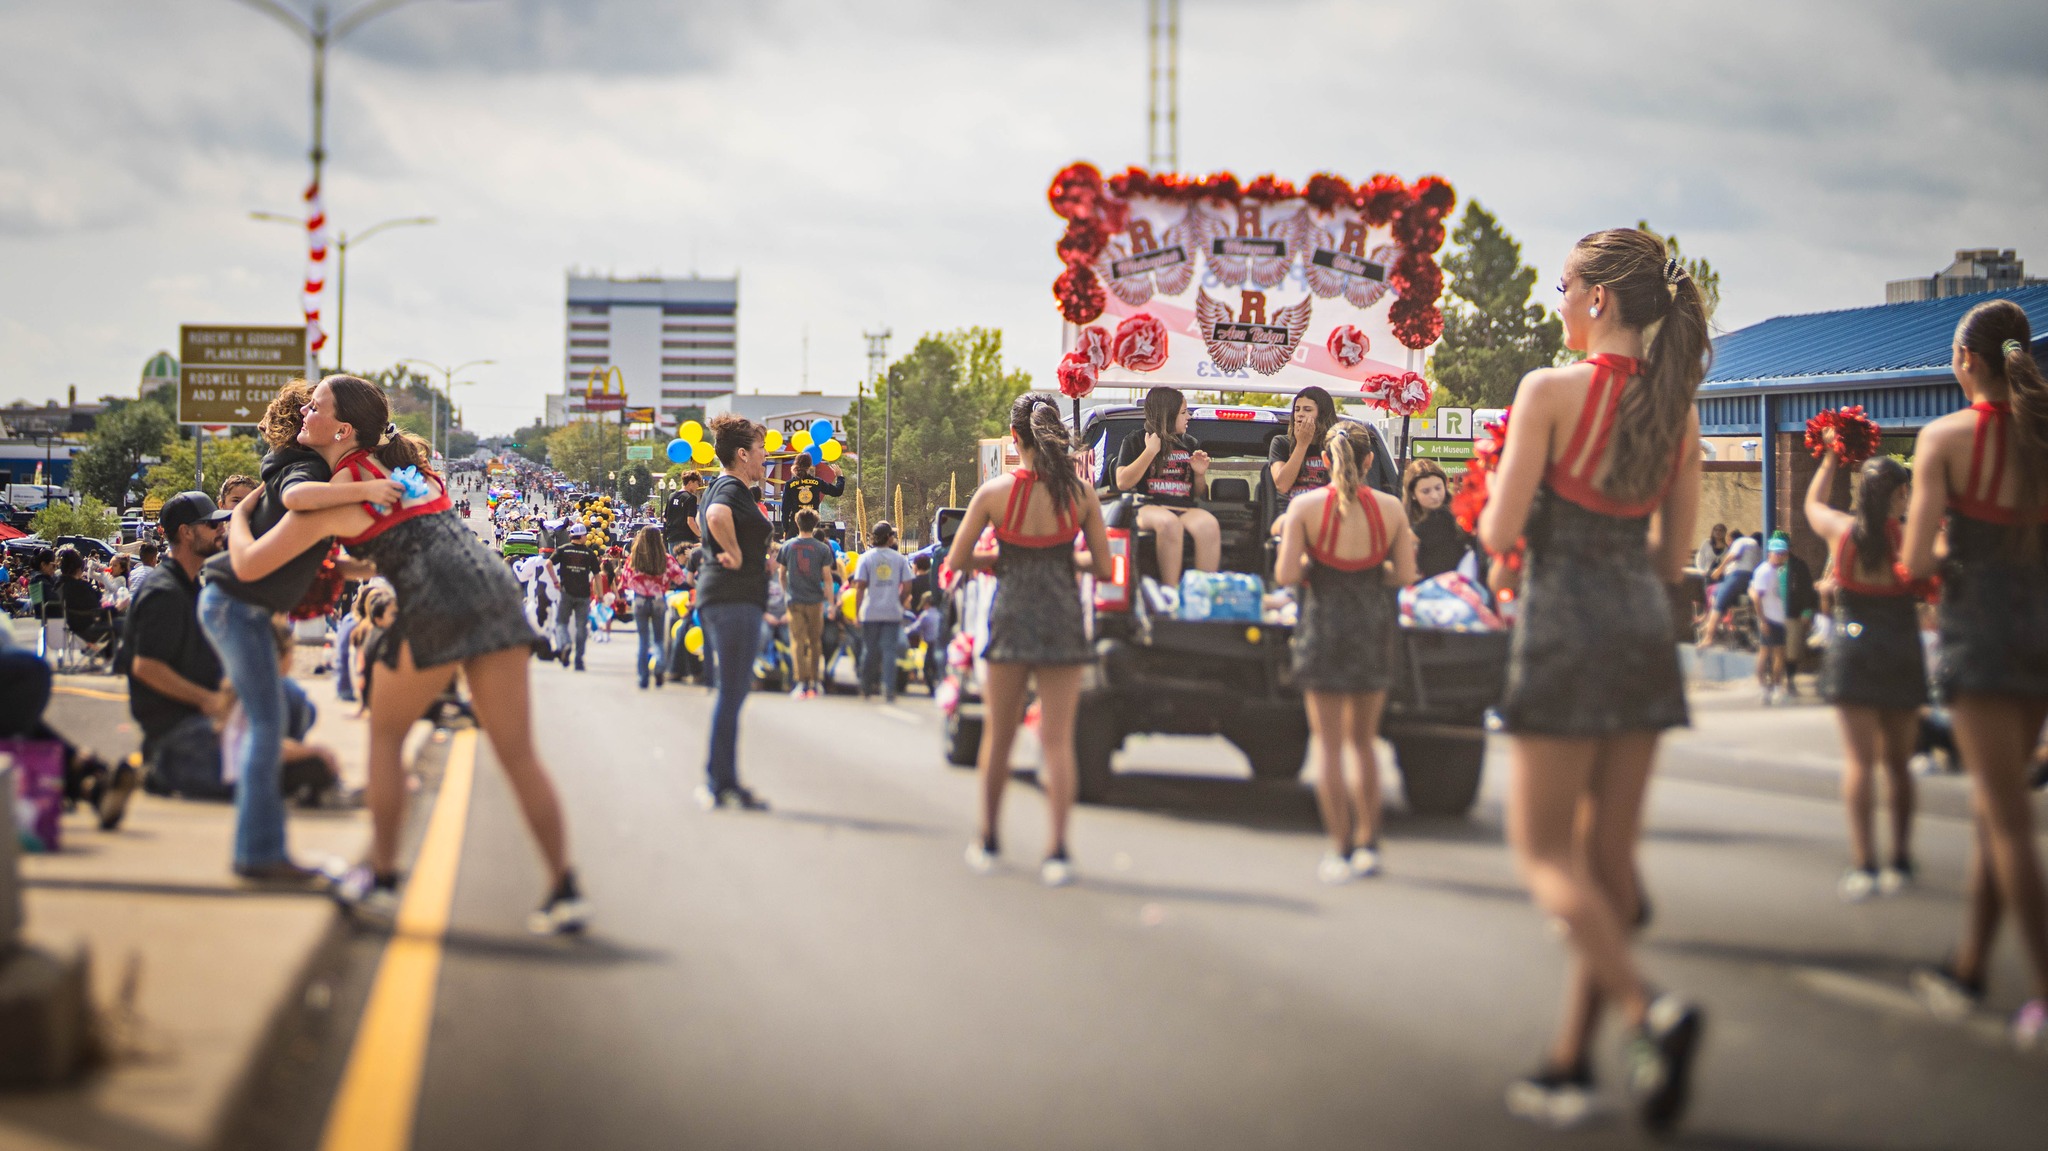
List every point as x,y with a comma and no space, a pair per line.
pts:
885,163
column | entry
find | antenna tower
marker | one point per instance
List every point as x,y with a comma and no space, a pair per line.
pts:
1162,121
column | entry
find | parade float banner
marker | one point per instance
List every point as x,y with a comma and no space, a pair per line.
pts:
1256,287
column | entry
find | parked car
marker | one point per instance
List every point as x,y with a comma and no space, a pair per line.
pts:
1155,673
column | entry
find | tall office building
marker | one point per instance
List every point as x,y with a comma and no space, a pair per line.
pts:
674,341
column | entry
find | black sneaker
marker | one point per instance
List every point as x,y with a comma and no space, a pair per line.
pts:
566,912
1945,994
741,798
112,804
1558,1099
1659,1058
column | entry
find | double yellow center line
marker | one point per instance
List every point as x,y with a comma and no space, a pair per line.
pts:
378,1100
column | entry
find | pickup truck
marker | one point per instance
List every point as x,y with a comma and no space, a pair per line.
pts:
1154,673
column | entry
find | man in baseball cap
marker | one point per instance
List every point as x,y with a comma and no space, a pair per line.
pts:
576,564
173,674
188,508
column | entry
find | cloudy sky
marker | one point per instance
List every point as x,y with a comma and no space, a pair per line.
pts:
883,162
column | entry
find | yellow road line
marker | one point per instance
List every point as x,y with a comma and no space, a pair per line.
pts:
89,693
378,1100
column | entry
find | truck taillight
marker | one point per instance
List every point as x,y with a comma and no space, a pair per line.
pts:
1114,593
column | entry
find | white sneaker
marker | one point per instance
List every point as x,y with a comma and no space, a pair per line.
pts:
1894,879
1055,872
1857,885
1334,869
980,860
706,798
1769,696
561,917
1365,862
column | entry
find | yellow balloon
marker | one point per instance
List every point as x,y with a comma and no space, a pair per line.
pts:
691,431
800,441
693,641
702,453
831,450
846,604
774,440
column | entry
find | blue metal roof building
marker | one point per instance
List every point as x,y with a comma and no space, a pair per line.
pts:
1893,359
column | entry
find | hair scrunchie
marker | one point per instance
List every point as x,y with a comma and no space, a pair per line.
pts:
2012,347
390,431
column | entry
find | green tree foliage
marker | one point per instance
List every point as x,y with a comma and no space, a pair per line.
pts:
1703,274
533,441
89,518
114,449
587,451
950,391
1493,335
228,456
462,443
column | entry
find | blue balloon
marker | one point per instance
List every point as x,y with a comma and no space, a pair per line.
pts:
679,451
816,453
821,430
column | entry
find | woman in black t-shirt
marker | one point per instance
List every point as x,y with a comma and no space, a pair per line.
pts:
732,595
1294,459
1169,468
1426,495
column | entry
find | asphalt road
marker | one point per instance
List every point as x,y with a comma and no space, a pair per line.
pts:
831,974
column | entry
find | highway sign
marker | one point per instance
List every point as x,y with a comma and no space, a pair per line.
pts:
233,372
639,451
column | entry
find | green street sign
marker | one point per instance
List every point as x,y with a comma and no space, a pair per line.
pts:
639,451
1440,449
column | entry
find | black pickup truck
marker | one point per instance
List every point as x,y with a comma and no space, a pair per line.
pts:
1158,674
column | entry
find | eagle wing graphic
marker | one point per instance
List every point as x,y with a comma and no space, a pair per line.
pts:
1364,293
1269,358
1132,290
1193,232
1292,232
1230,356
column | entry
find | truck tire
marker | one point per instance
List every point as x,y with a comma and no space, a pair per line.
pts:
1096,739
963,740
1439,776
1275,753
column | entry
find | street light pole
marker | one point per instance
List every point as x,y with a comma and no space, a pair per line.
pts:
341,242
448,383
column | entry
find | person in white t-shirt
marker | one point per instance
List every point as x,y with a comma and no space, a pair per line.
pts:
881,582
1767,592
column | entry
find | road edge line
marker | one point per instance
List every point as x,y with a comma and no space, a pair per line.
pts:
377,1102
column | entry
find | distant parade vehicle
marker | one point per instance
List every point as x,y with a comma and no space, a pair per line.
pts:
521,544
1156,672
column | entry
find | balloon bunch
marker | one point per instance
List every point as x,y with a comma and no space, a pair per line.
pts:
689,446
815,441
599,517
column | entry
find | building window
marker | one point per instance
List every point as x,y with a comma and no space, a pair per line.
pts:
696,361
713,345
587,359
590,325
589,343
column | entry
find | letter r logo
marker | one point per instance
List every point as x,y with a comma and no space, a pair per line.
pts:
1253,309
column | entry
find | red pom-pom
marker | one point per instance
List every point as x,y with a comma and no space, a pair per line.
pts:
1075,190
1416,324
1222,186
1327,193
1477,485
1082,241
1139,343
1435,196
1347,345
1417,278
1093,345
1381,198
1268,188
1857,438
1080,293
325,589
1076,375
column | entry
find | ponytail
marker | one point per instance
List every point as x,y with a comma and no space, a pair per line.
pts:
1657,296
1035,417
1877,481
1346,449
1998,332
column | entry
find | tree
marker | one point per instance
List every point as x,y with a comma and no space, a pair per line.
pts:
227,456
531,441
1493,335
89,518
587,452
462,443
114,449
1703,274
950,391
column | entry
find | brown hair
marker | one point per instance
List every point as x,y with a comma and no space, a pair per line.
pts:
238,480
806,521
648,557
731,434
1326,410
1035,417
1418,471
1656,296
1347,449
281,422
1997,332
361,405
1162,411
1876,481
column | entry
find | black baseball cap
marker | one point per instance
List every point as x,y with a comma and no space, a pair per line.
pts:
189,508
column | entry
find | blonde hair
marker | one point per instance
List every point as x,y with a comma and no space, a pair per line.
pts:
1347,448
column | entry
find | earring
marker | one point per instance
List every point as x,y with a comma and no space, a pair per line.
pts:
1592,313
337,437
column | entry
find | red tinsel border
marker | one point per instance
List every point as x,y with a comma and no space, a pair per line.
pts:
1857,437
1095,208
1478,483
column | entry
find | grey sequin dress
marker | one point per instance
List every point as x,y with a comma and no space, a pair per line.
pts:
1593,652
455,599
1874,657
1344,641
1036,617
1994,614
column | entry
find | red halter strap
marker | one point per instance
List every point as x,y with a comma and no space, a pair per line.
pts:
1323,548
1066,520
1572,475
1845,565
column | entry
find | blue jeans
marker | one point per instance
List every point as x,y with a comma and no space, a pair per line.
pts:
732,636
880,642
647,617
241,635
